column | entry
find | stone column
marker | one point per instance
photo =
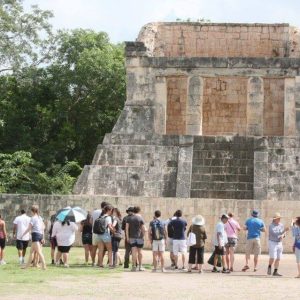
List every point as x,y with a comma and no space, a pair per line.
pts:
255,106
194,106
261,171
184,171
289,107
160,105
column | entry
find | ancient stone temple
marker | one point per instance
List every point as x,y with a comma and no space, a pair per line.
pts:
212,111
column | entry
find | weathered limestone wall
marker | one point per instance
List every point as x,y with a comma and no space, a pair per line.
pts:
176,105
225,106
211,209
220,40
273,106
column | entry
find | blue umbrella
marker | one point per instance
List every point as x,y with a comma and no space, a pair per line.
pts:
75,214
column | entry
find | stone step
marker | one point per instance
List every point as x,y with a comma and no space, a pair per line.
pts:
212,170
135,155
216,162
221,154
222,194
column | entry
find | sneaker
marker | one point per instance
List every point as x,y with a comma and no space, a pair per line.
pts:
66,265
200,272
142,269
269,270
163,270
225,271
52,262
275,273
154,270
215,270
175,268
61,262
94,265
2,262
184,269
57,263
126,267
133,269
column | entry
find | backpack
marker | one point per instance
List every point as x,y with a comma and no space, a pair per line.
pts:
157,229
99,225
170,230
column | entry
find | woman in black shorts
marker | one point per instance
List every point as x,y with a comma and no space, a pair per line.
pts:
3,237
86,231
65,236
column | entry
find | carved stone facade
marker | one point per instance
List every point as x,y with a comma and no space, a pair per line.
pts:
212,111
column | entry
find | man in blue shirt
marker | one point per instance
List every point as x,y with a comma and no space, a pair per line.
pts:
254,226
178,226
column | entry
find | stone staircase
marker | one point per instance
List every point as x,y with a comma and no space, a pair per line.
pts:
222,167
131,165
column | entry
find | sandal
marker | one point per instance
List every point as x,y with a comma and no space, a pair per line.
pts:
245,268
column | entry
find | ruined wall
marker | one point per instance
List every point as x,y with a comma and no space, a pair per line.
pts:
211,209
273,106
176,105
220,40
224,106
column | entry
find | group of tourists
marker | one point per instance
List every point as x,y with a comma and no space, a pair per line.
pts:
104,228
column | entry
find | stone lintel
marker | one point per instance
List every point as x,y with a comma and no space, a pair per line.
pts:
221,62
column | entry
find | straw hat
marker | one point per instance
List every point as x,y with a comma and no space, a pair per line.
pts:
198,220
277,216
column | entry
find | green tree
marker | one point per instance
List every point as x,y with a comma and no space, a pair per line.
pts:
19,172
26,39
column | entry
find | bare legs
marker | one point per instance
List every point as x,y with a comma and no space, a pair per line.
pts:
158,256
36,248
101,247
229,257
87,252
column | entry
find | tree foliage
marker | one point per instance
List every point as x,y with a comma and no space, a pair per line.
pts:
25,38
58,112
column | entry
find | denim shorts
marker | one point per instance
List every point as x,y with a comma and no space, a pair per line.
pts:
105,238
36,237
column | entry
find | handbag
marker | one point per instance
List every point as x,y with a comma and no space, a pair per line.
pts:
191,240
211,260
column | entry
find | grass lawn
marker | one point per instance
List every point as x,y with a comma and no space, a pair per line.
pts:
59,280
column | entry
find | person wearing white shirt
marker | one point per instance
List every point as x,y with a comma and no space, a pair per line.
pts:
220,240
21,223
65,236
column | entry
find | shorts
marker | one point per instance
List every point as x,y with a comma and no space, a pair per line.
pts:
53,243
36,237
139,243
87,239
253,246
98,238
22,245
159,246
232,243
297,253
275,249
219,251
2,243
64,249
170,244
179,246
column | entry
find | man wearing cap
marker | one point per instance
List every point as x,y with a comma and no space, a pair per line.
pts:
254,226
276,234
220,240
129,212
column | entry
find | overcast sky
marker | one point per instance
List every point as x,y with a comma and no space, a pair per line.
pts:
122,19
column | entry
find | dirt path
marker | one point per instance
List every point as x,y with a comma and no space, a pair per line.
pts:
179,285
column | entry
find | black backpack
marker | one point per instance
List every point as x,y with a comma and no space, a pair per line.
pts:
157,230
99,225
